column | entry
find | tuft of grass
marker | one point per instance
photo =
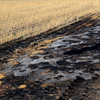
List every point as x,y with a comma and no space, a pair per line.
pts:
46,85
26,18
2,75
22,86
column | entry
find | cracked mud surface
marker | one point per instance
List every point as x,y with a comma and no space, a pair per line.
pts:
64,65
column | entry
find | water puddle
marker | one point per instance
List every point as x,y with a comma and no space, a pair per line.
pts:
64,59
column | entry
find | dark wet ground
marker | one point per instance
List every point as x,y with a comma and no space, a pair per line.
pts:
64,65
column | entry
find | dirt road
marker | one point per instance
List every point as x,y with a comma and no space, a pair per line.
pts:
63,65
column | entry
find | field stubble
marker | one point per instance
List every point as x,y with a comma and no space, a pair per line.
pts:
27,18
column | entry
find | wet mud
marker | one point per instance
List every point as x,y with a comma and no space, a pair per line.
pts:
64,65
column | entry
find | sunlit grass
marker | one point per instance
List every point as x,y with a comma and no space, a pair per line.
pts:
31,17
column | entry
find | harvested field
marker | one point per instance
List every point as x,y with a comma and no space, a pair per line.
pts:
26,18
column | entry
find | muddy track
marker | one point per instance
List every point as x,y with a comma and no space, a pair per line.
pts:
63,65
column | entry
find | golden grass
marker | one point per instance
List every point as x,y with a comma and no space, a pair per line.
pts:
31,17
39,48
46,84
15,63
10,59
36,52
41,45
1,82
22,86
2,75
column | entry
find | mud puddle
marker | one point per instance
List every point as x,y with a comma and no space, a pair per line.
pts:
84,51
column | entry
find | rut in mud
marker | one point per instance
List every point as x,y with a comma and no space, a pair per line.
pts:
65,66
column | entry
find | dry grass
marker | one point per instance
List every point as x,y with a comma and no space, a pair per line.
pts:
22,86
30,17
46,85
2,75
